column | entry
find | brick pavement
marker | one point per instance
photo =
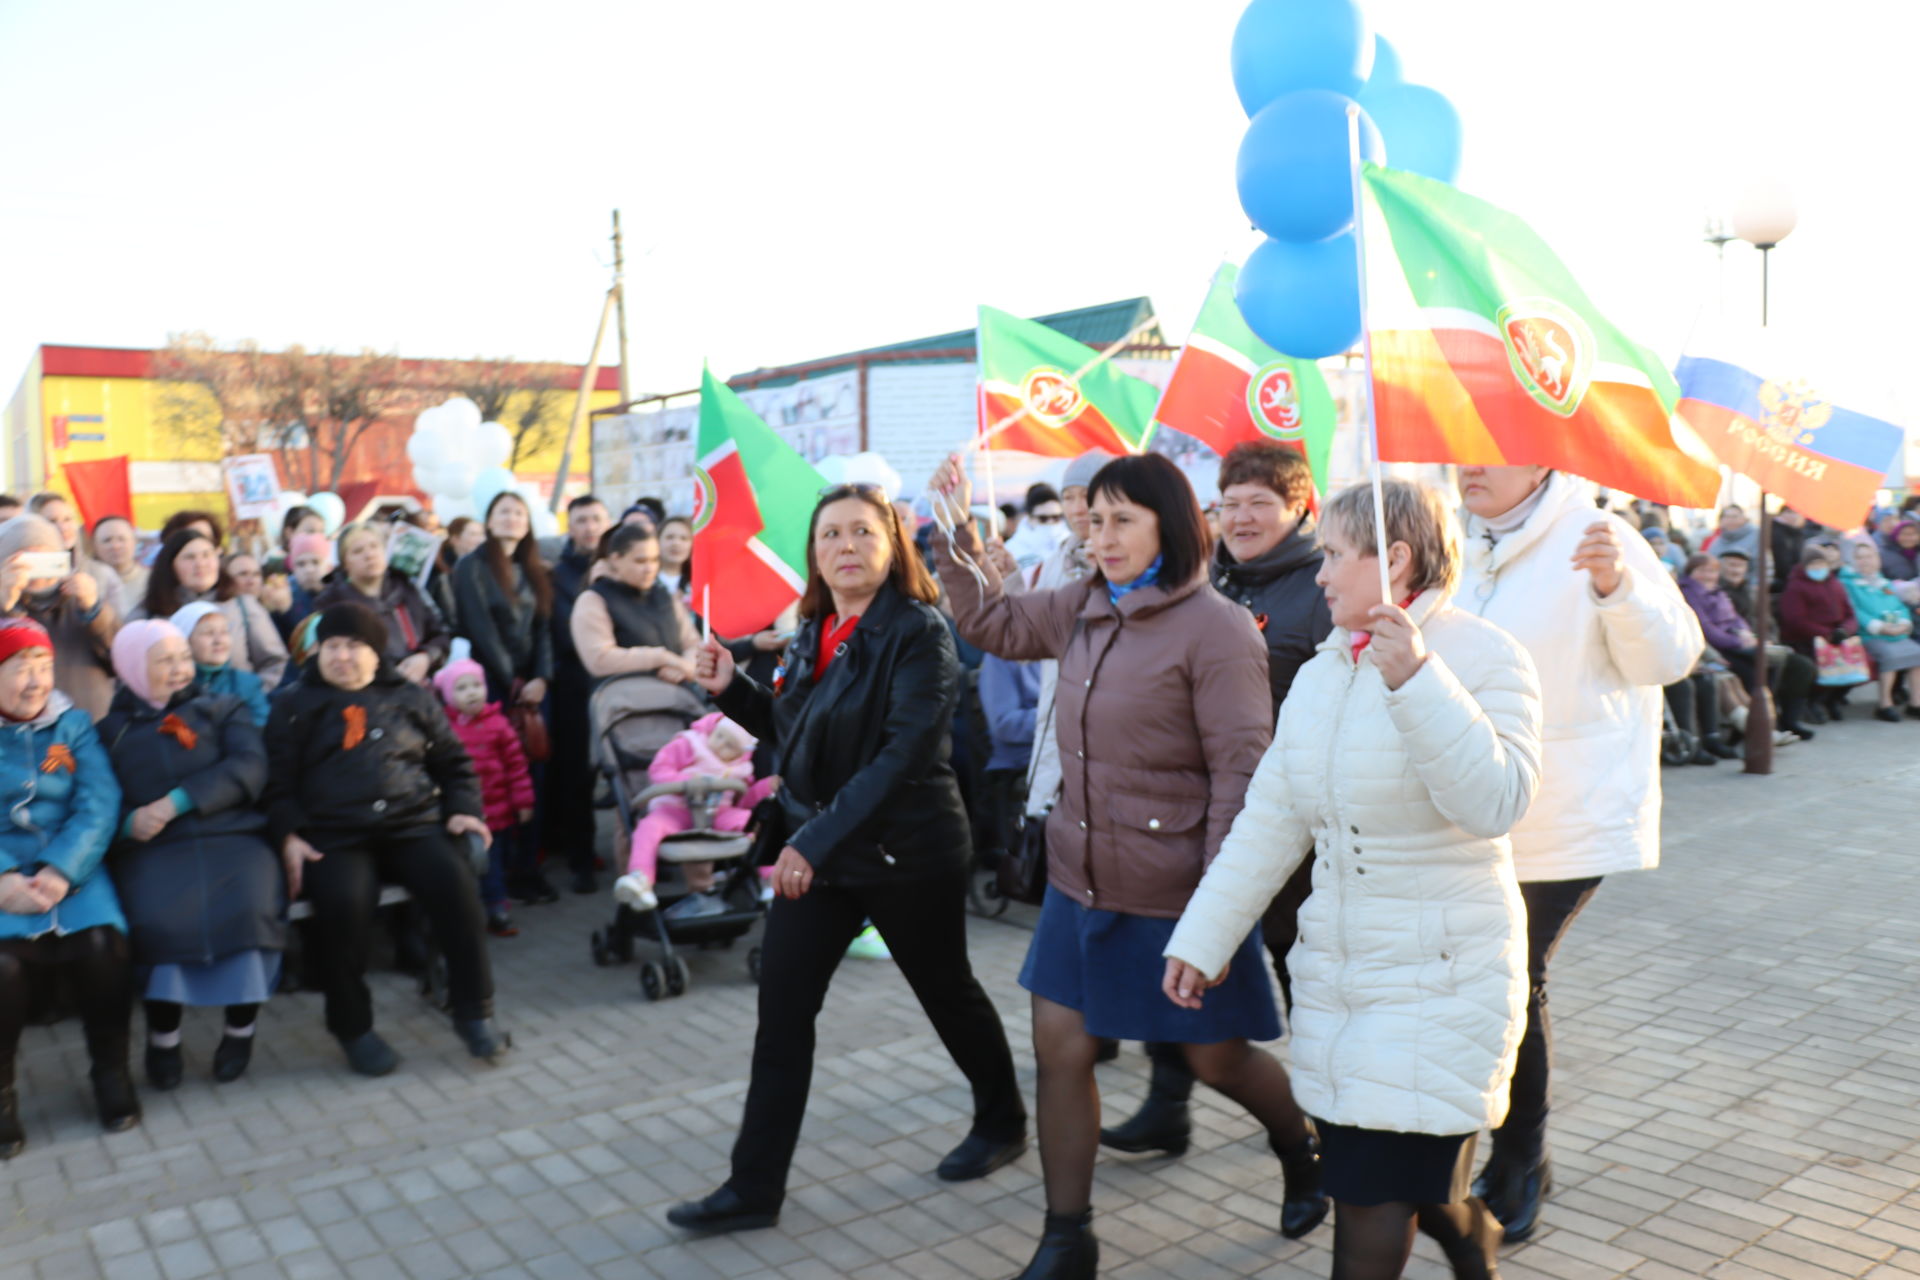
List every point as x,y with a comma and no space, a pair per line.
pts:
1739,1054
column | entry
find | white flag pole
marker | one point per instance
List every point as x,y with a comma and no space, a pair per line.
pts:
1366,347
980,428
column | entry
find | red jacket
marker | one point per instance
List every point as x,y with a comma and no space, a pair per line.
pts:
1809,609
498,759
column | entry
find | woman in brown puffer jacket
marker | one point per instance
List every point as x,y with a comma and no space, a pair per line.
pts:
1162,714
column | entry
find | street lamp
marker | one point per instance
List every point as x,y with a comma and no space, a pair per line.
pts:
1763,216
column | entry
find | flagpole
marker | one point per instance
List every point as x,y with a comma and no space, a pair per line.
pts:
1366,347
980,417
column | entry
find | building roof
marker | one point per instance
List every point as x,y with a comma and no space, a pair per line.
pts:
137,362
1096,326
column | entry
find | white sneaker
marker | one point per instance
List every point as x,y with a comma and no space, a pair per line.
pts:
633,891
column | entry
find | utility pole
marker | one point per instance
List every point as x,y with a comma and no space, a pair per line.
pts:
620,296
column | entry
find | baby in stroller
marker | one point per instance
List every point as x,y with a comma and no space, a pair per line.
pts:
712,747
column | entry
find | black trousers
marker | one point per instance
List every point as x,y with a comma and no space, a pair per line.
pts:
1696,705
94,965
566,801
1551,908
924,925
344,889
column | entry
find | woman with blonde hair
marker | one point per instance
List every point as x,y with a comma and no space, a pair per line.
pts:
1406,749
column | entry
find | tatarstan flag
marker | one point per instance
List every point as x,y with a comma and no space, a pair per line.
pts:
1229,387
1486,351
1024,363
753,499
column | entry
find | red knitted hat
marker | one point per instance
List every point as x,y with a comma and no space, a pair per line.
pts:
22,633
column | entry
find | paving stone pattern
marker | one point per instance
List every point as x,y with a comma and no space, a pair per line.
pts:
1739,1074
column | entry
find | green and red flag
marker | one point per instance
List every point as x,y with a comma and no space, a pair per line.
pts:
1486,351
1070,408
753,499
1230,387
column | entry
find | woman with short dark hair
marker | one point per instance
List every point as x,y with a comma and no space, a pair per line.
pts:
873,829
1162,713
188,571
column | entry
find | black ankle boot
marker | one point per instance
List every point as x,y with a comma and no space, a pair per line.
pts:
1303,1204
13,1138
1478,1256
1068,1250
1164,1121
113,1095
1514,1191
165,1066
230,1059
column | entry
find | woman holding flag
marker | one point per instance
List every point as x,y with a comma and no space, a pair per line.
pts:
1163,712
874,830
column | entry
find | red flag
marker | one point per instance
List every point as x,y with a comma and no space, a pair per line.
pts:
100,488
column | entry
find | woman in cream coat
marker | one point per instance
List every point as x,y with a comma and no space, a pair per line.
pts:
1407,748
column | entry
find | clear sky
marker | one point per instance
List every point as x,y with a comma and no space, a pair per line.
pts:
799,179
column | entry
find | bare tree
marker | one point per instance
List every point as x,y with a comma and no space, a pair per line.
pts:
312,408
532,401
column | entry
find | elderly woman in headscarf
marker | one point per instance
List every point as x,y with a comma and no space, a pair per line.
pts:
204,895
59,918
76,614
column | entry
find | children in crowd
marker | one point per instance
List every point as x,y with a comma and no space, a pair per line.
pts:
210,635
506,785
714,747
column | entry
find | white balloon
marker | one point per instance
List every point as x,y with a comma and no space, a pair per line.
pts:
423,447
450,507
492,445
332,509
460,415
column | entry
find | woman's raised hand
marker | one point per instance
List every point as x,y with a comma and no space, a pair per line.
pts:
1185,985
950,482
1398,649
713,670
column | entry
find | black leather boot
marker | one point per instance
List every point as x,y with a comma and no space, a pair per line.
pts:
1164,1121
108,1045
165,1067
1303,1205
13,1138
1068,1250
721,1212
1514,1191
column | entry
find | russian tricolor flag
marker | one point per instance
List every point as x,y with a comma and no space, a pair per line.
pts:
1785,433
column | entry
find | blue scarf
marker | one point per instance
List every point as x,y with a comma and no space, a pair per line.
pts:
1148,576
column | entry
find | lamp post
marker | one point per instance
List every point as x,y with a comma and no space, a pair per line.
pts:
1763,216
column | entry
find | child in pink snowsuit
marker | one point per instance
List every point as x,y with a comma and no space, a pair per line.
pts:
714,747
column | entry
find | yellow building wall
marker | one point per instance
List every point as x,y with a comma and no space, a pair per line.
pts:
128,411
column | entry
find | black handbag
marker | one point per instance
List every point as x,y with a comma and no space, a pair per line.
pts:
1023,871
769,827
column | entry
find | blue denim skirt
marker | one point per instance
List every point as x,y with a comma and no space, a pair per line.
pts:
1108,965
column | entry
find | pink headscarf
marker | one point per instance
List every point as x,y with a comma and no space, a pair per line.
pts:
130,650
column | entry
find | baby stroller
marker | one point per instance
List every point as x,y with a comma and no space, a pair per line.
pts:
632,718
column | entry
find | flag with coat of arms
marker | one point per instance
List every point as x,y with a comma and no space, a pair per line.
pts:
1487,352
1037,381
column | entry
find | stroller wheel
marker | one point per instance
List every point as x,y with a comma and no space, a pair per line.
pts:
602,954
753,964
677,977
653,980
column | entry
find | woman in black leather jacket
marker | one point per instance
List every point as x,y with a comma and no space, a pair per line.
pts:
874,830
504,598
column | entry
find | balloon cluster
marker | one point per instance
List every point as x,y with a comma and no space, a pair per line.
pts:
1297,66
460,463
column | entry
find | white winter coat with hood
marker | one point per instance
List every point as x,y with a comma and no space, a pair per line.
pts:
1602,666
1409,975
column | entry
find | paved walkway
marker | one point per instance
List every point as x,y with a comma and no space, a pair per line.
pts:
1740,1074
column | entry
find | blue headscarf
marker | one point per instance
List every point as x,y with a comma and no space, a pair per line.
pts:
1148,576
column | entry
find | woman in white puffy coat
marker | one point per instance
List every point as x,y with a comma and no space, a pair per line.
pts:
1406,750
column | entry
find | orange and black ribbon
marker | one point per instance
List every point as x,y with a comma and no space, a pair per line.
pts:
180,731
59,759
356,718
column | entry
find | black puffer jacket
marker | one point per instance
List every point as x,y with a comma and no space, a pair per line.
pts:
342,763
208,885
867,788
511,641
1287,604
413,622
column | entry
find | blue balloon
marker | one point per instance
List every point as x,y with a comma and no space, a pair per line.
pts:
1293,171
1421,128
1386,63
1302,299
489,484
1281,46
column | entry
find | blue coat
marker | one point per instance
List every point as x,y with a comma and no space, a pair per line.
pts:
56,776
236,683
